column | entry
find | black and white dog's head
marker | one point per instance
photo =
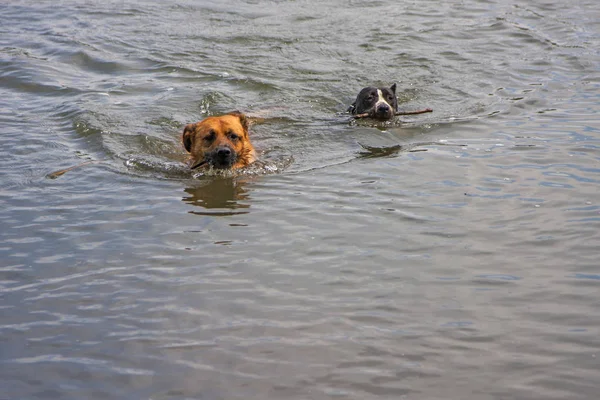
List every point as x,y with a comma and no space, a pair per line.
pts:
378,103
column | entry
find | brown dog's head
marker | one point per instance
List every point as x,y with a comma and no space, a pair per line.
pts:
221,142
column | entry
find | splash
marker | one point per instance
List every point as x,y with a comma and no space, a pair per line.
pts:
264,166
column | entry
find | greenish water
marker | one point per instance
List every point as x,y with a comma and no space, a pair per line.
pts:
448,256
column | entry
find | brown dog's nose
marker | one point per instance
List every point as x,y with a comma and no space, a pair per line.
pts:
224,152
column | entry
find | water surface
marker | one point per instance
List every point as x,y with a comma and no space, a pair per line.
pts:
449,255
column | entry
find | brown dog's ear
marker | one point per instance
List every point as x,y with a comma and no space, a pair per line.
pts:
393,88
242,117
186,138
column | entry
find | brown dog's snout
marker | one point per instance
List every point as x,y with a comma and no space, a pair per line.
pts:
222,157
223,152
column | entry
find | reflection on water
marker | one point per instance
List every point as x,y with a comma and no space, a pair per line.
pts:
213,193
388,151
375,152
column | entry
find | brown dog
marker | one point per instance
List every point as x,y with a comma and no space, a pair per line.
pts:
221,142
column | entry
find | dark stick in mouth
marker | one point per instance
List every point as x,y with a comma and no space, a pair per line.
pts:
423,111
198,165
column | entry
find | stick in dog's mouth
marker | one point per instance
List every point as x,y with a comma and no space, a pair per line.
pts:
198,165
423,111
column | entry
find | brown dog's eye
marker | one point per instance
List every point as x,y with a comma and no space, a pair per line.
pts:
211,136
233,136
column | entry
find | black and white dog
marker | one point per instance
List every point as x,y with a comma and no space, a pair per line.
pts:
378,103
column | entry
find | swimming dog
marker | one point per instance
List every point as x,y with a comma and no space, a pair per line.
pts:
221,142
378,103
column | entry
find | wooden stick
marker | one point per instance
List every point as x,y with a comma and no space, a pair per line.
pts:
61,172
423,111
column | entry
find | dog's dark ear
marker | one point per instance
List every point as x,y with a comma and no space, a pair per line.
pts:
393,88
242,117
186,138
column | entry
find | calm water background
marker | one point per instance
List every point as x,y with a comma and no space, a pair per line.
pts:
454,256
